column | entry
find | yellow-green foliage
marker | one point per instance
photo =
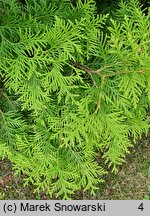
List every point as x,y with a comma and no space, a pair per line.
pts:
70,92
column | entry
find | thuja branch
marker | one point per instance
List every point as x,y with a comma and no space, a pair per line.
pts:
84,67
122,72
100,95
1,112
90,71
105,67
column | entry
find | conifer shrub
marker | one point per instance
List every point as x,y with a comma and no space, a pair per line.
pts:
72,97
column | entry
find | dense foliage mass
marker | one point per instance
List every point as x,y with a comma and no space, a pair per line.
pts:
71,91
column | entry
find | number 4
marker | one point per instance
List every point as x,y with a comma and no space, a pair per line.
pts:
141,207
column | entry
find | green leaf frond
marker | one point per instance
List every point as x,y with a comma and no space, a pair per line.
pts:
70,93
